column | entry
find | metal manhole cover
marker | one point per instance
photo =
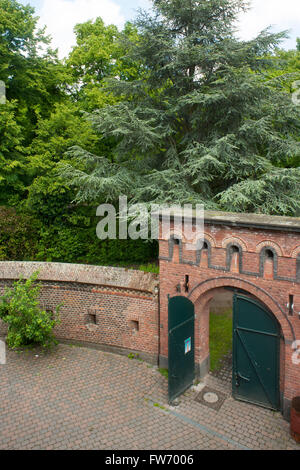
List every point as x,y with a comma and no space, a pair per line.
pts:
211,398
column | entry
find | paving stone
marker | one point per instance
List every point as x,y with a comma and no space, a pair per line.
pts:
78,398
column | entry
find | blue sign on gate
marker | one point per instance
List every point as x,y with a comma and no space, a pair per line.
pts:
187,345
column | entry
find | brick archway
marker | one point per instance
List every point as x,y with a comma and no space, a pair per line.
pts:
203,292
265,263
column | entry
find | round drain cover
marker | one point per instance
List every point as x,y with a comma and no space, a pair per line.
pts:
210,397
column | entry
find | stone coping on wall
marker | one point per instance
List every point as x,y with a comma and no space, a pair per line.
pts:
80,273
261,221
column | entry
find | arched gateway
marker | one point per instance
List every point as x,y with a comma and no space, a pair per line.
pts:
257,258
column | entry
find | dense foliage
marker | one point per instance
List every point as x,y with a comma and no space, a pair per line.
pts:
203,124
41,119
27,323
175,107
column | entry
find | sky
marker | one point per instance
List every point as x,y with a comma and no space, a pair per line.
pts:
60,17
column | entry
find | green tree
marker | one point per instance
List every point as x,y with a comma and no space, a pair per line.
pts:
48,195
284,76
100,53
49,198
203,124
12,157
35,81
41,119
30,69
284,69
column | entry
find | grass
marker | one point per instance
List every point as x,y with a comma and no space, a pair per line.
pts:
135,356
220,337
157,405
164,372
150,268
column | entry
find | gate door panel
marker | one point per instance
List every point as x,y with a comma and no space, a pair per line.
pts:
181,355
255,354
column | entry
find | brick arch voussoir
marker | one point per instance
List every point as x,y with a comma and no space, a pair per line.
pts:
201,293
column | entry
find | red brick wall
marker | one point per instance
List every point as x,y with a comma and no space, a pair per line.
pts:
120,298
266,285
85,290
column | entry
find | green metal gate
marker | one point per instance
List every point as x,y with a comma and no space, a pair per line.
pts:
256,349
181,355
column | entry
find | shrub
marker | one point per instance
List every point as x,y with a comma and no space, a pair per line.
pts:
19,234
60,243
72,240
27,323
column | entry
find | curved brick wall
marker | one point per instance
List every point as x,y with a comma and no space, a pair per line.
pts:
63,272
114,308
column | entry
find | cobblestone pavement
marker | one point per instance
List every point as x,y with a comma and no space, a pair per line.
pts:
79,398
224,372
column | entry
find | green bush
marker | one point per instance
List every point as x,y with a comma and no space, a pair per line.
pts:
72,239
19,234
27,323
80,245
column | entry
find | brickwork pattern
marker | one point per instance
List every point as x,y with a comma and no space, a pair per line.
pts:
78,398
272,281
93,310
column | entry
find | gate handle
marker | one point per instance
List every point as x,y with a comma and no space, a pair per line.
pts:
238,376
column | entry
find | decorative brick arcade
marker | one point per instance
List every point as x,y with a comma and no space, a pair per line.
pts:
256,254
